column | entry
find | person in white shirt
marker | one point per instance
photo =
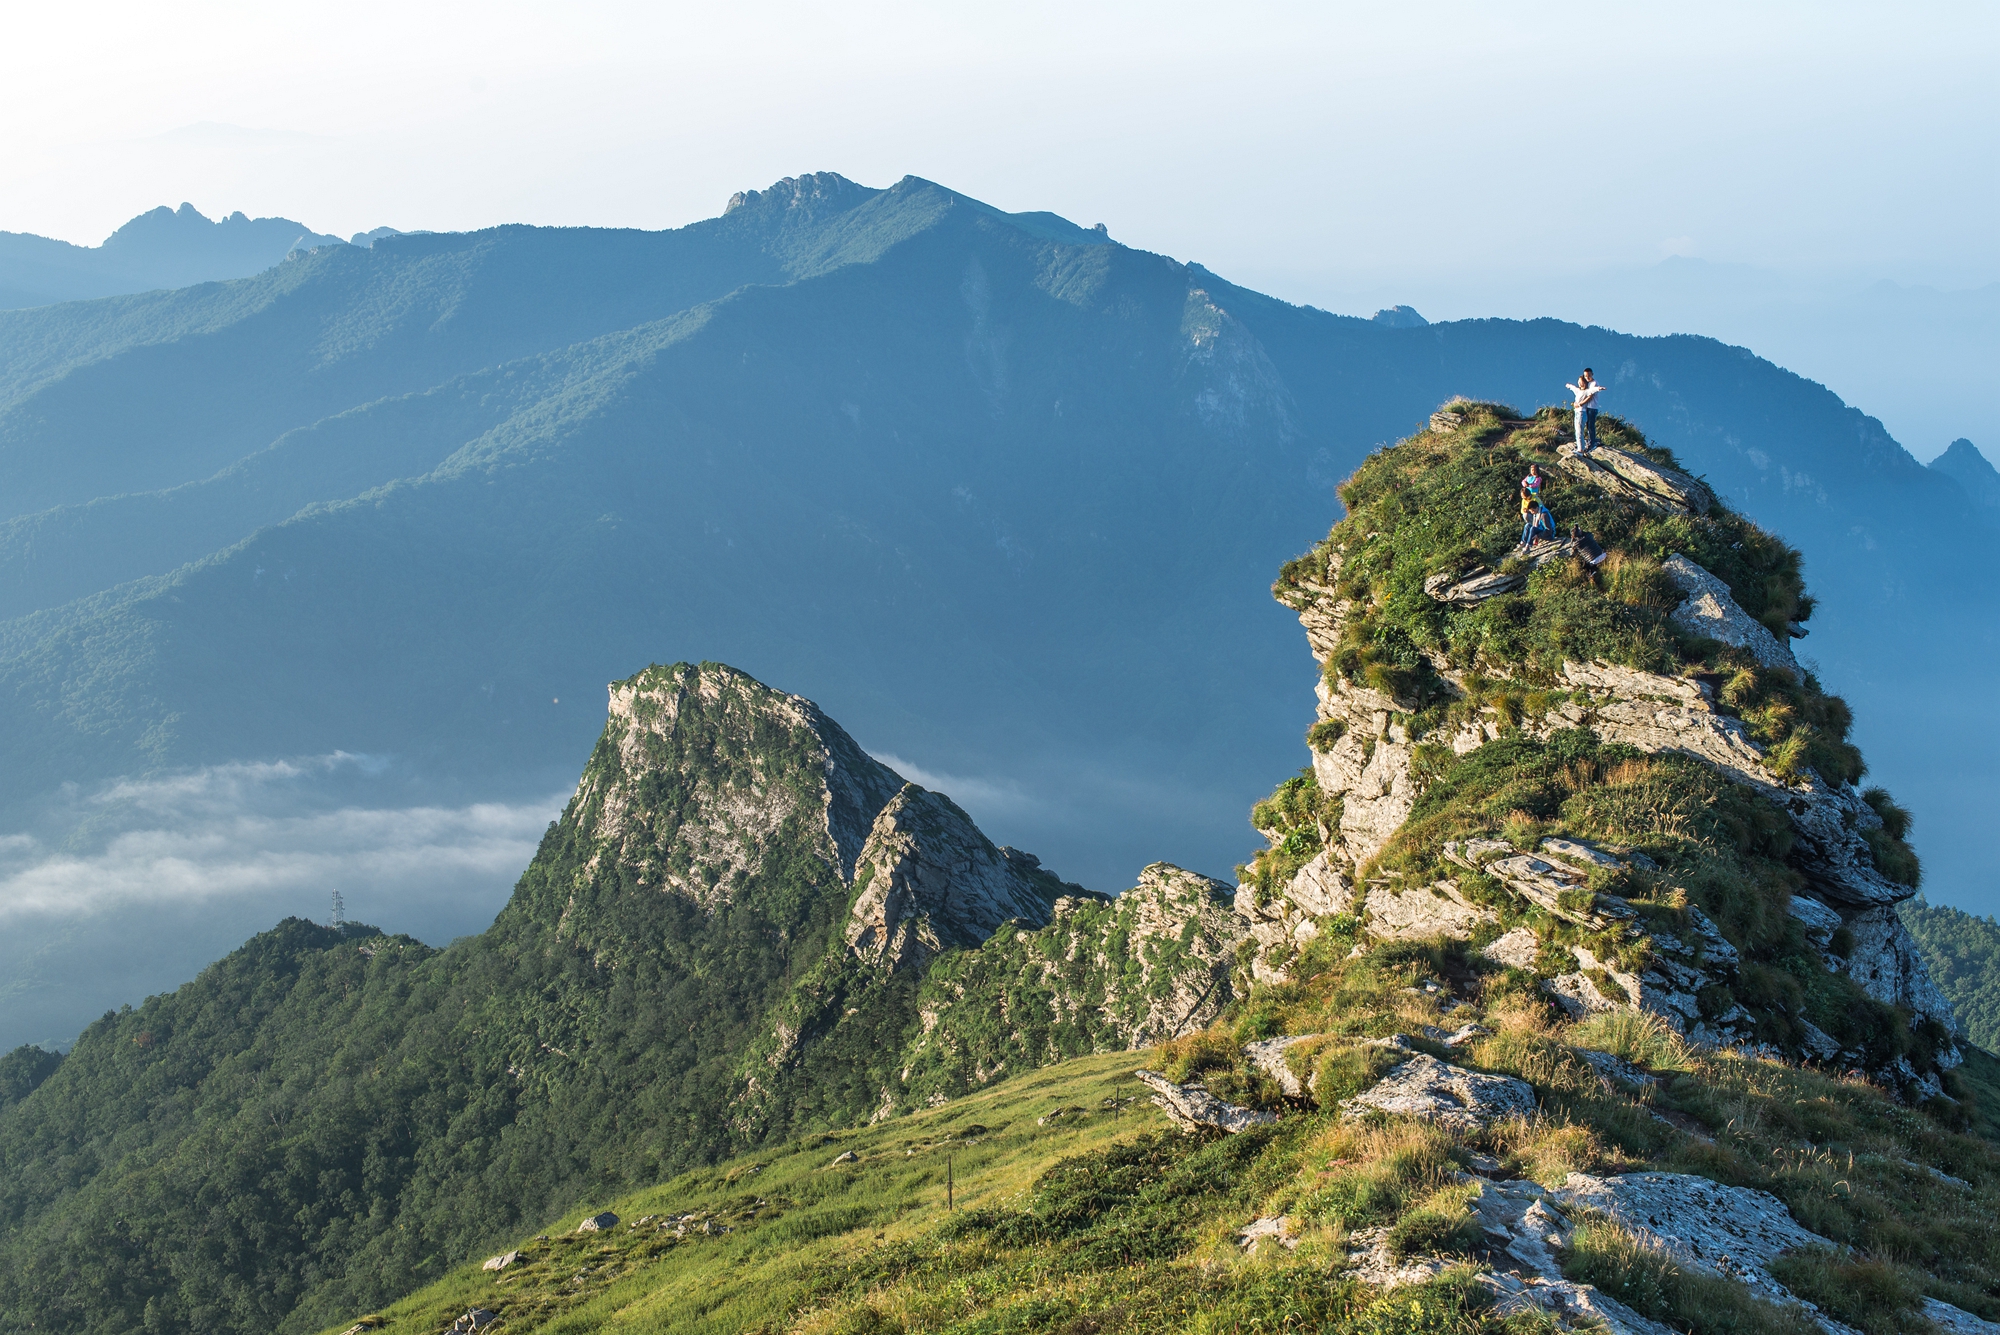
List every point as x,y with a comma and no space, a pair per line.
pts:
1586,389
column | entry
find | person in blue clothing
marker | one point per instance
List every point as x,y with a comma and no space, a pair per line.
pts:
1537,524
1586,389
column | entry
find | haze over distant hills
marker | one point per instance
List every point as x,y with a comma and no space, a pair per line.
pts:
1002,494
163,248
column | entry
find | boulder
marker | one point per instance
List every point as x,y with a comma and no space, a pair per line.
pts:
1254,1232
502,1261
1516,949
1192,1107
1613,1070
1711,610
1453,1097
479,1318
598,1223
1268,1056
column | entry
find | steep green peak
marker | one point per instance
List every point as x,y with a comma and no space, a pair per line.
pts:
702,769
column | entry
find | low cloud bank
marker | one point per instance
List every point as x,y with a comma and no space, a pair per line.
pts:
287,832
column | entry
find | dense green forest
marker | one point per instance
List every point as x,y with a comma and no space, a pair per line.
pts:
1963,952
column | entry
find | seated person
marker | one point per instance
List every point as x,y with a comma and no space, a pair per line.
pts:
1537,524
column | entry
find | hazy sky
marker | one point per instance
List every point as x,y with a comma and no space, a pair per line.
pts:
1471,159
1305,147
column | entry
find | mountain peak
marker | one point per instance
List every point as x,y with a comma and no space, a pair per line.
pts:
1965,464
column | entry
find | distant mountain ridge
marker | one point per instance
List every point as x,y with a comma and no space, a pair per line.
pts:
162,248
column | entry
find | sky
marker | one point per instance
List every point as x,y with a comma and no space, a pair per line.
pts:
1293,144
1470,159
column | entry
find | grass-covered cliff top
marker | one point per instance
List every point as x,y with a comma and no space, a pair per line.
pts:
1444,501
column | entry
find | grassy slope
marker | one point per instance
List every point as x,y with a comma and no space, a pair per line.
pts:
815,1218
1095,1224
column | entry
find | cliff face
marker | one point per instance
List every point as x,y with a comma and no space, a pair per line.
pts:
1677,818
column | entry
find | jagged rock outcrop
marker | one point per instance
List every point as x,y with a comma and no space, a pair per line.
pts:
1710,610
1373,754
749,764
1103,975
1632,477
927,880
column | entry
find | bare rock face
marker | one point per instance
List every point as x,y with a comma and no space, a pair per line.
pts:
753,765
1268,1055
1423,910
1654,486
1656,714
1711,610
1191,1107
1472,587
928,880
1706,1226
1886,963
1453,1097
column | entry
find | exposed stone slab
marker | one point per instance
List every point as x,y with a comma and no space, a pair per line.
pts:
1886,963
1711,610
1192,1107
1453,1097
1473,587
1516,948
1704,1225
1423,911
1956,1320
1655,486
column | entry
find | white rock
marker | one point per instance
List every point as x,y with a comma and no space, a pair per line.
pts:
502,1261
1704,1225
1191,1106
1516,948
1258,1229
1886,963
598,1223
845,1156
1423,911
1268,1056
1628,475
929,881
1956,1320
1712,611
1820,921
1453,1097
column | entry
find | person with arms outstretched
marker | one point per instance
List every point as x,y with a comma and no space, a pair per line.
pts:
1586,389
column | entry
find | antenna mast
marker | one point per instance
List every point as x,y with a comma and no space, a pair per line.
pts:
339,909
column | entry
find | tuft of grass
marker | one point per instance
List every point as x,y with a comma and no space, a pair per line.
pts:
1875,1296
1640,1037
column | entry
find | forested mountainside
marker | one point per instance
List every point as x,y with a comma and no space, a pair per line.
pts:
895,443
724,940
1962,951
161,248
